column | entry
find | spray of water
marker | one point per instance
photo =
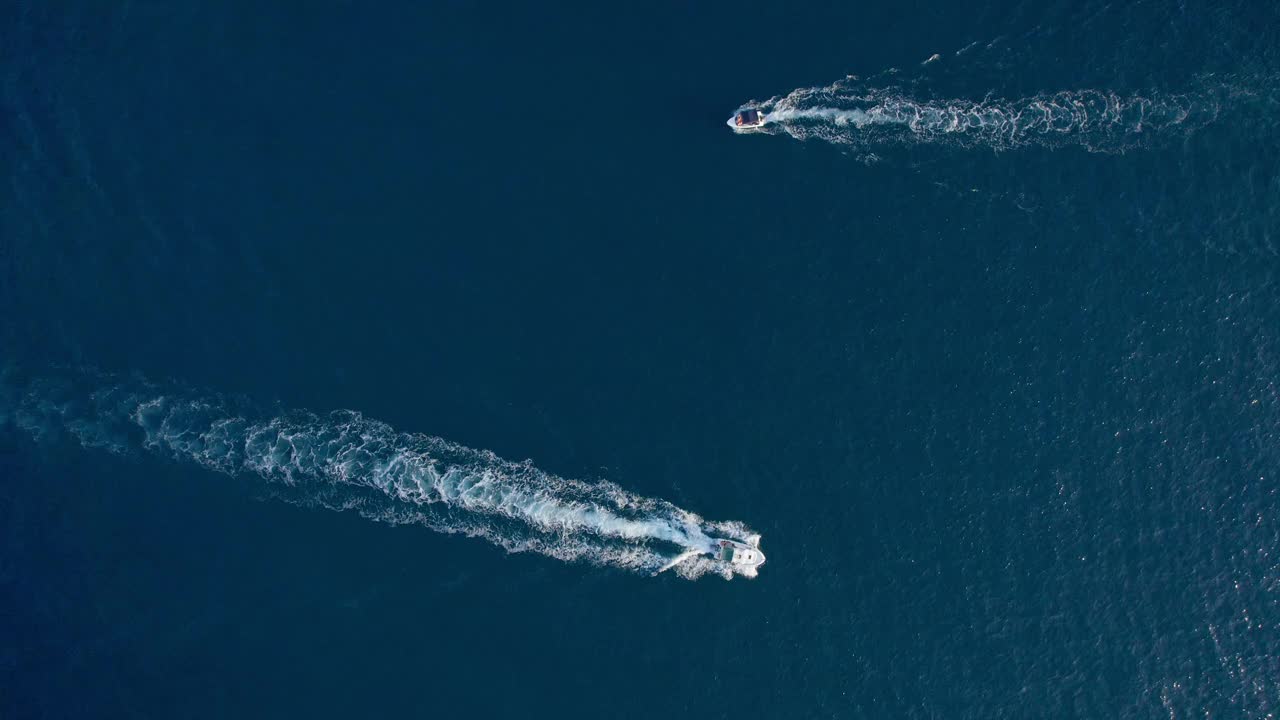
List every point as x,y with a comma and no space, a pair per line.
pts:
850,113
345,461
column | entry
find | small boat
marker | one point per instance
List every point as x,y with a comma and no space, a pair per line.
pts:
745,120
744,555
736,553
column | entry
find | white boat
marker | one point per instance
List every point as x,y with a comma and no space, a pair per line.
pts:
747,120
737,553
745,555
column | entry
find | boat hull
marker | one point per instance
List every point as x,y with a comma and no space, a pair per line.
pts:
747,121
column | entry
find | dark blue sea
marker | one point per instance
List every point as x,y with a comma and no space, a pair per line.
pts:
371,359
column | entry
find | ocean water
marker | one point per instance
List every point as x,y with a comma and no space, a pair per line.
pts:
369,360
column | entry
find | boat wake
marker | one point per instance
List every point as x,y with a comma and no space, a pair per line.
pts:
345,461
850,113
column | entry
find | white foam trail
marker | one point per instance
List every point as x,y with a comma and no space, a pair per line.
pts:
345,461
845,113
682,557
